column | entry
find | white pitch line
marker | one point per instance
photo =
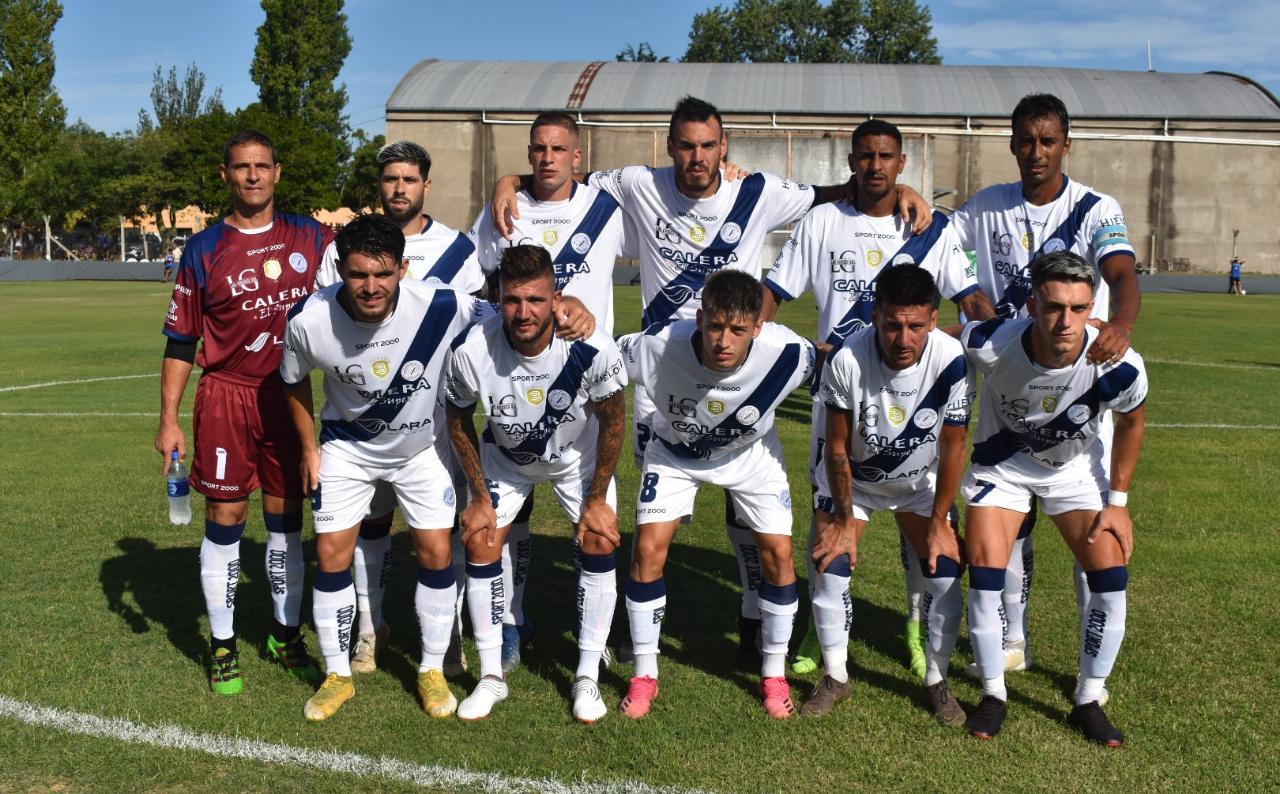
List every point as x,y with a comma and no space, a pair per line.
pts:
175,738
69,413
27,386
1180,425
1212,364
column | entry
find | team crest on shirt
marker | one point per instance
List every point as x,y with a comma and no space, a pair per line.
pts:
925,418
731,232
716,407
897,415
549,237
412,370
381,368
1026,240
874,257
298,262
1078,414
450,498
536,396
559,399
1049,404
271,269
903,259
580,242
697,233
748,414
1054,245
784,499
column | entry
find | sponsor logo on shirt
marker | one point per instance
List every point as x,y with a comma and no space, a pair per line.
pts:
550,237
580,242
559,399
1049,404
874,257
716,407
697,233
731,232
298,262
748,415
411,370
536,395
381,368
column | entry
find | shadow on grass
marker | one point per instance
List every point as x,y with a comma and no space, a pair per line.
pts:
164,583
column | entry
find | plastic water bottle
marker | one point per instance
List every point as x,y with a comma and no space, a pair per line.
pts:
179,491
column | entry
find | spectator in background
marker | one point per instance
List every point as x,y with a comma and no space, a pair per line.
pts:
1234,284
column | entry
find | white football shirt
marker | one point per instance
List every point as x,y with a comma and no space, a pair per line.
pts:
536,407
680,241
701,413
897,414
1035,418
380,380
583,234
1007,232
437,254
839,253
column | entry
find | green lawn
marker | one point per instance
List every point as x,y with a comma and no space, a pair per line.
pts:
102,613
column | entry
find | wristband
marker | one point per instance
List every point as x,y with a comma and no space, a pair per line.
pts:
1118,498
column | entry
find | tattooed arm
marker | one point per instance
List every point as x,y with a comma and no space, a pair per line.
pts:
479,515
597,517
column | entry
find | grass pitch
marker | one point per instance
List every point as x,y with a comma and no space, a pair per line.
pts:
102,614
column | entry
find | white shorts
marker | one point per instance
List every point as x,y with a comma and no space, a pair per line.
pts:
915,498
755,477
1082,485
421,486
384,495
510,484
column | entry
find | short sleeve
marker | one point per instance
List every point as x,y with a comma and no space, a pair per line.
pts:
1123,385
1108,233
963,392
957,276
978,348
327,273
295,364
785,201
487,241
185,319
792,273
839,381
619,183
608,374
964,222
629,349
461,386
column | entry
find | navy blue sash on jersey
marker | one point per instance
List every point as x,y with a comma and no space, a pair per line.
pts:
452,260
440,314
763,400
534,445
592,224
880,465
1016,293
1006,443
689,281
917,247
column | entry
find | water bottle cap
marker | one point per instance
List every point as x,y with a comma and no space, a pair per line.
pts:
175,454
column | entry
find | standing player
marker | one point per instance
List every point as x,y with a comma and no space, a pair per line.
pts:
716,381
169,261
687,221
582,228
1009,226
840,250
236,281
555,411
436,254
381,343
1042,408
897,399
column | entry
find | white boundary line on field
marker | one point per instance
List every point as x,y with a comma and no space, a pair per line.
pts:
175,738
69,413
1212,364
27,386
1208,426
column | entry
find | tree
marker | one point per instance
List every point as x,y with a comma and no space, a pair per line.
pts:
641,53
175,102
806,31
31,113
360,182
301,47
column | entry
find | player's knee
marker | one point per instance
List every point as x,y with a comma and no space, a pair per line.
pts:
227,513
334,550
596,544
480,552
775,556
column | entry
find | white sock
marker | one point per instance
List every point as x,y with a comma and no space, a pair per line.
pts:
747,552
832,605
333,607
1102,630
1017,589
220,576
369,567
459,552
986,618
597,597
515,568
433,600
487,603
778,607
646,606
914,578
1082,592
943,601
285,566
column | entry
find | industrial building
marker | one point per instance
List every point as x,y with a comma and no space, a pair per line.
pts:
1194,159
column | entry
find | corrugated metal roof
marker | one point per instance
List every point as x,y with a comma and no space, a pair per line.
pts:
825,89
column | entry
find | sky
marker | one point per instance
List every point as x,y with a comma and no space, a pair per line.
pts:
107,52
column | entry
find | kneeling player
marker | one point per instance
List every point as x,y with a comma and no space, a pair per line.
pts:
555,413
1042,406
381,343
907,384
715,382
